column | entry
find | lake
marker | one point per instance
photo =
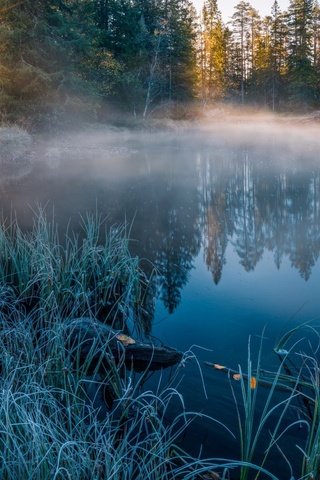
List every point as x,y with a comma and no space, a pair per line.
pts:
227,218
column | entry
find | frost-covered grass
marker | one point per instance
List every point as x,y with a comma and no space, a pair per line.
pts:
55,420
90,272
302,344
54,423
51,427
291,405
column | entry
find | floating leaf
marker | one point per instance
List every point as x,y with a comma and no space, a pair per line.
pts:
253,383
125,339
236,376
218,367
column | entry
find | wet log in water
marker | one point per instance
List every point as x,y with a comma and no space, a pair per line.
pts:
87,337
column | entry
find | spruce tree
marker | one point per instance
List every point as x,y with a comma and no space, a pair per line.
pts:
316,47
42,47
213,53
301,74
278,60
241,23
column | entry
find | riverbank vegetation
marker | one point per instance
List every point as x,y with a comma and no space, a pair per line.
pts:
59,417
97,57
93,419
62,415
87,273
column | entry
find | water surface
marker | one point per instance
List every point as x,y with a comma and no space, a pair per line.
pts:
227,217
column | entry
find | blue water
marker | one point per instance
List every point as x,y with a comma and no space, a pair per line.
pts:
242,304
232,228
222,318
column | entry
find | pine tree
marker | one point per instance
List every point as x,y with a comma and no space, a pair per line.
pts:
301,74
181,49
278,60
146,52
42,47
242,40
213,53
316,47
269,59
260,79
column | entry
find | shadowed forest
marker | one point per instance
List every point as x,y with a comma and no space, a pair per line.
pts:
146,57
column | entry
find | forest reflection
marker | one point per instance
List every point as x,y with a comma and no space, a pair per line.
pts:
238,202
257,211
182,201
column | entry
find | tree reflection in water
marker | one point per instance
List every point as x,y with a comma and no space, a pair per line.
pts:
257,211
238,202
183,200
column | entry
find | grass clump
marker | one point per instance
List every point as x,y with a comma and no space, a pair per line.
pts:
302,345
88,272
255,420
55,418
272,404
53,423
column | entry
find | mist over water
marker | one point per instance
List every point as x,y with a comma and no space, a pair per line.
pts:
227,212
220,191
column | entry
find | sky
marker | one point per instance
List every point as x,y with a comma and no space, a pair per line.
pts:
226,6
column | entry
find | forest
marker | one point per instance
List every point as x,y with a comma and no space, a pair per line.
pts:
146,57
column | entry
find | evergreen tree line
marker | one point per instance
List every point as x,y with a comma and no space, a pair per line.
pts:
55,55
142,55
272,61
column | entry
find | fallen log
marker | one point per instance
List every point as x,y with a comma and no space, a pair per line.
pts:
88,337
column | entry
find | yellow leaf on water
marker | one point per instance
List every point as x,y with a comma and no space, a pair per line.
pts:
236,376
218,367
253,383
125,339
